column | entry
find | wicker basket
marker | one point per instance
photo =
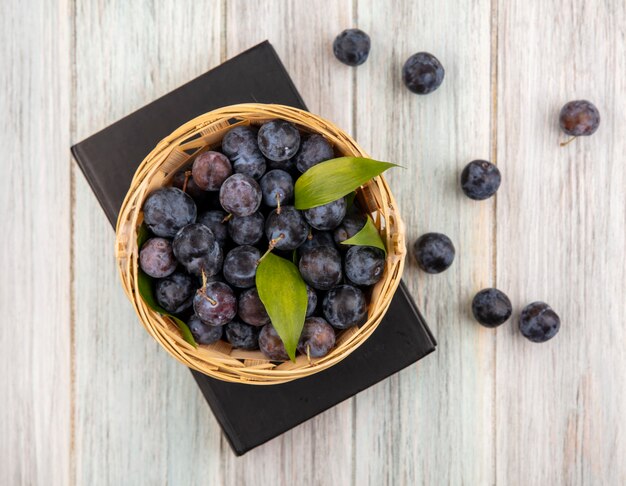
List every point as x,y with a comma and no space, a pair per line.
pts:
219,360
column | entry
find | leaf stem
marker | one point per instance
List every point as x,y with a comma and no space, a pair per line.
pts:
563,144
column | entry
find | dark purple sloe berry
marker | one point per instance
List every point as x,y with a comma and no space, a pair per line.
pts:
422,73
344,306
174,293
480,180
538,322
240,195
271,345
352,46
279,140
167,210
317,338
203,333
210,170
434,252
364,265
156,258
241,335
215,304
491,307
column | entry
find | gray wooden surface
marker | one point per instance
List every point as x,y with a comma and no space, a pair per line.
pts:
88,398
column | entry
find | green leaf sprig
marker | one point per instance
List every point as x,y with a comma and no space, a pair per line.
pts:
284,295
144,284
367,236
335,178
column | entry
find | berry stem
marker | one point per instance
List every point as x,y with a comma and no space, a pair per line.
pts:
278,203
187,175
228,217
563,144
203,289
271,246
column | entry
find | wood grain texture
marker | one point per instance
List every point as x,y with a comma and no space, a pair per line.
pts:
35,410
562,239
87,396
432,423
140,418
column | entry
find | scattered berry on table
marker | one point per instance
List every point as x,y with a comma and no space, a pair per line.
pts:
321,267
246,230
215,304
480,180
491,307
279,140
240,145
317,338
579,118
240,195
538,322
203,333
271,345
288,230
240,266
434,252
210,170
175,293
344,306
327,216
167,210
251,309
156,258
277,187
352,46
241,335
364,265
314,149
422,73
214,220
197,249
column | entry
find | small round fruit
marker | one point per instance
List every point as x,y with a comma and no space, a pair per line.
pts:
215,304
288,229
351,224
579,118
271,345
321,267
210,170
317,338
167,210
311,304
203,333
491,307
317,238
327,216
480,180
156,258
352,46
241,335
174,293
279,140
434,252
314,149
538,322
240,195
364,265
344,306
196,247
276,186
422,73
240,145
240,266
214,220
246,230
251,309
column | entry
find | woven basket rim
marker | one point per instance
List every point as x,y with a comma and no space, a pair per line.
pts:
174,152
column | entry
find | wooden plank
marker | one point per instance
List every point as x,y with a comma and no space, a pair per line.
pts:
35,381
561,239
432,423
319,451
140,418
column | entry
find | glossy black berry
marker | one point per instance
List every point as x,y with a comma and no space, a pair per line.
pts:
314,149
203,333
321,267
196,247
156,258
434,252
167,210
480,180
327,216
241,335
287,229
174,293
491,307
311,301
352,46
579,118
210,170
246,230
251,310
240,145
538,322
240,266
364,265
276,187
422,73
271,345
317,338
344,306
240,195
279,140
214,220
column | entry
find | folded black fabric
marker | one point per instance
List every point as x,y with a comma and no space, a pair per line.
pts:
109,159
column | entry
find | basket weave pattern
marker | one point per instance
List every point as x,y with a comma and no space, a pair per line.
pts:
220,360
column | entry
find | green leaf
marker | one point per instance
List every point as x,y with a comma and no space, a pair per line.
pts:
144,284
350,199
367,236
283,293
330,180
